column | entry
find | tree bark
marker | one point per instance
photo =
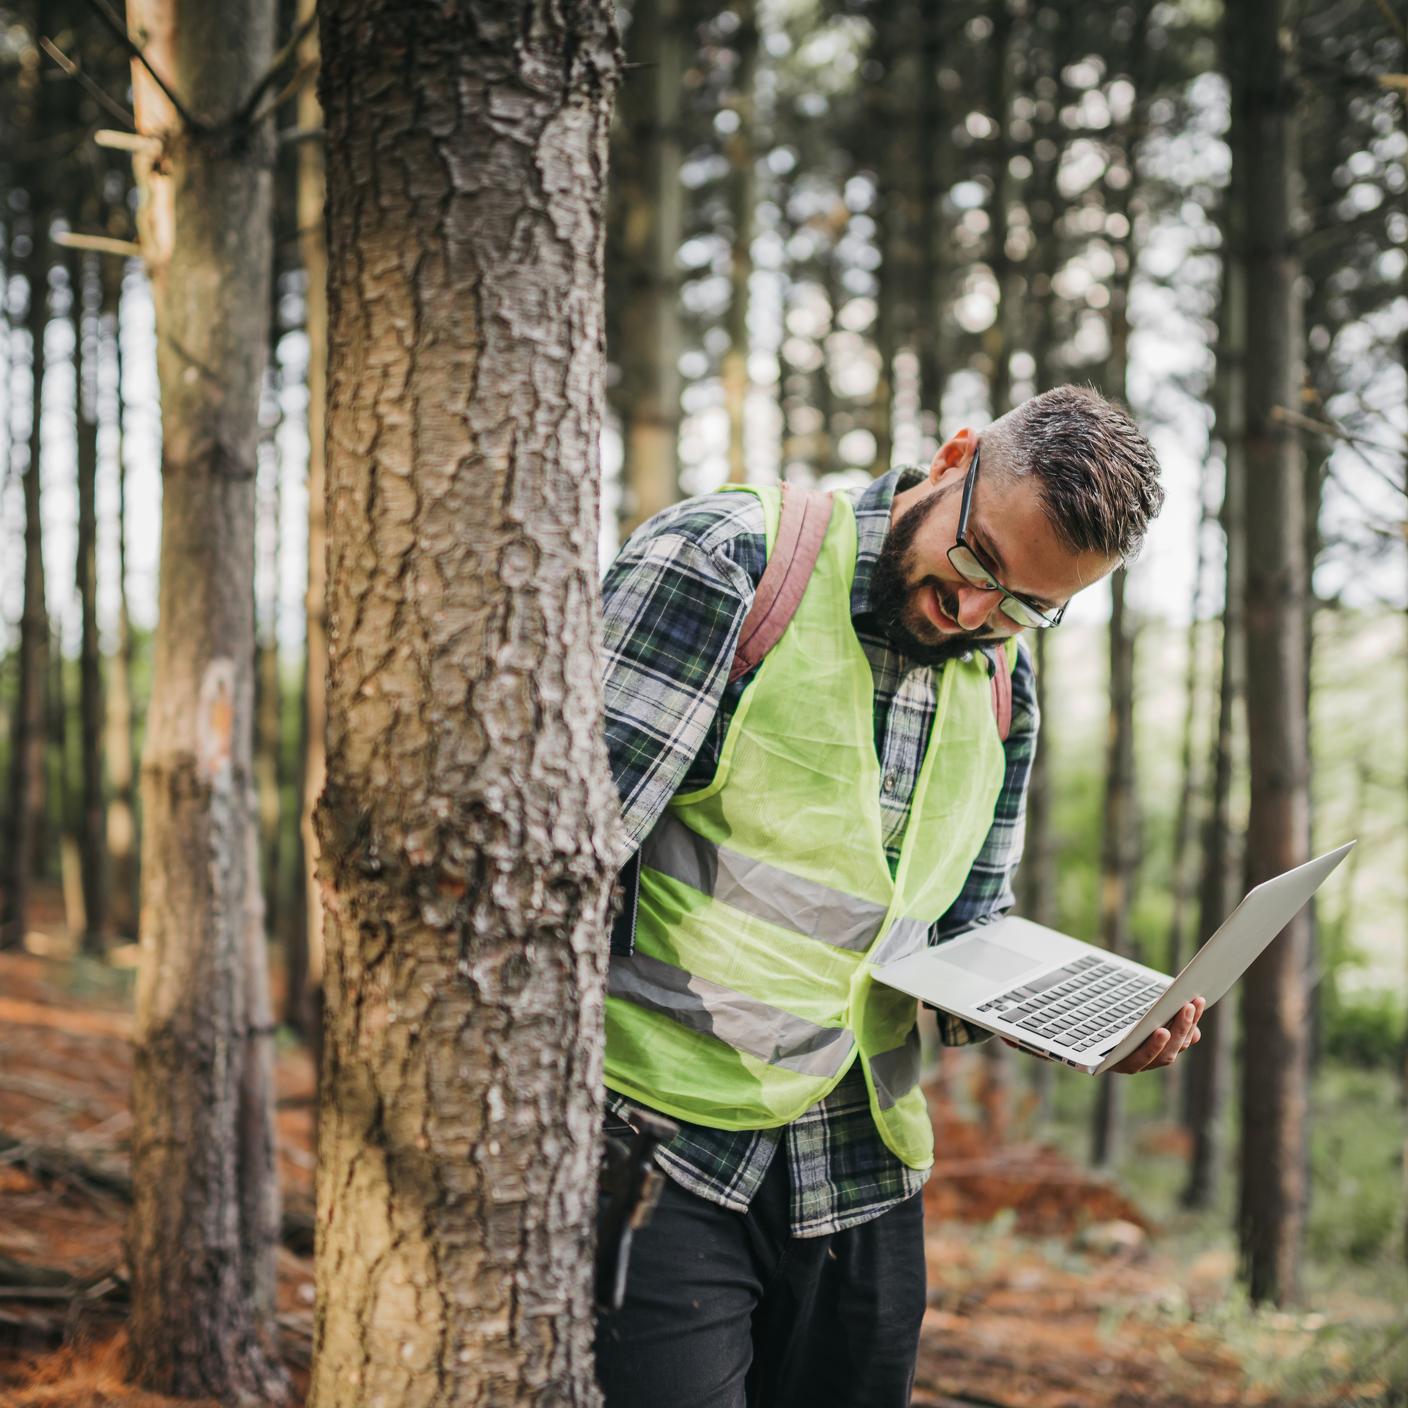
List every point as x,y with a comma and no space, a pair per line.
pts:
651,223
304,1010
1207,1083
1274,997
468,826
28,791
1119,845
742,156
122,809
200,1236
92,821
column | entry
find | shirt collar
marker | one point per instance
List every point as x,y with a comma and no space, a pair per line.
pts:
873,506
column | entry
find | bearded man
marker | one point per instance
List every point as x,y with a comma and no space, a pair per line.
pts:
855,788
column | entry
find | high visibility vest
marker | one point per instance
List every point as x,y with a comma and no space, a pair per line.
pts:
766,896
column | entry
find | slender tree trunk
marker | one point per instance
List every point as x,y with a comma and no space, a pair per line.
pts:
92,821
1274,1005
1119,845
202,1236
999,337
1189,791
1208,1080
122,809
468,823
652,227
304,1008
742,156
268,690
28,783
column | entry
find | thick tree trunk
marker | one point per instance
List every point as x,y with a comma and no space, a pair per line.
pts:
303,1010
468,824
122,803
741,149
651,222
1274,1005
92,822
201,1249
26,820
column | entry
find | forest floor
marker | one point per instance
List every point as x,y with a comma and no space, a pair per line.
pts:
1049,1288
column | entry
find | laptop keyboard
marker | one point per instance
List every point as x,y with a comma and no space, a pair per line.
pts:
1080,1005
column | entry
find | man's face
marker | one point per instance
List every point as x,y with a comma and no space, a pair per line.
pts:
929,611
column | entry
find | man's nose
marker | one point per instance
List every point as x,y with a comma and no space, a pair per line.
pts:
975,605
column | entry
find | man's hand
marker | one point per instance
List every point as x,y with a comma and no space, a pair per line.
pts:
1162,1047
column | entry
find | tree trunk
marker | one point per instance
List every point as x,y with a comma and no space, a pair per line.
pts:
1119,845
26,821
741,150
651,221
468,824
268,692
1036,879
999,337
304,1007
122,809
92,822
200,1239
1208,1080
1274,1007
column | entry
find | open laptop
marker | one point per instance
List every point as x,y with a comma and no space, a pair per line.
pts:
1058,997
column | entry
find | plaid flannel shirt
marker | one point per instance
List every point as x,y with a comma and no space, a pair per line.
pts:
674,602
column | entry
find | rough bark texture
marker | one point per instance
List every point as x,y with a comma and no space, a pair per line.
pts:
201,1249
1274,1005
304,1010
468,826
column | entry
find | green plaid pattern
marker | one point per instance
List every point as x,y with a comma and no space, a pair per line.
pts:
674,602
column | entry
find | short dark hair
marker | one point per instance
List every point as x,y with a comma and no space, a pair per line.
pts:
1098,477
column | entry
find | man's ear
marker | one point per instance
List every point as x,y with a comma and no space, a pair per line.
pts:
955,452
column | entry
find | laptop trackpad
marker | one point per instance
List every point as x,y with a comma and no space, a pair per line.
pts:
988,959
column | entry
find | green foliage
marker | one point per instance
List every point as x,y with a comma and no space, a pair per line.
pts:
1365,1031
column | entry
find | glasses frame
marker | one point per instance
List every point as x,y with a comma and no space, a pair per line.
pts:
1035,617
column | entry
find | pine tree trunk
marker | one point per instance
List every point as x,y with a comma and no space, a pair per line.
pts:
1274,999
651,221
1208,1080
1118,846
92,821
202,1235
740,148
468,825
998,341
122,808
26,820
268,692
303,1010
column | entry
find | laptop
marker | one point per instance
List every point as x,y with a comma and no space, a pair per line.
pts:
1056,996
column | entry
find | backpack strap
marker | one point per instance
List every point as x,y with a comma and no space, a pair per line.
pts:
1002,691
806,513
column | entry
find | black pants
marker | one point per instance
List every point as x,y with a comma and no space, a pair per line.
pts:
725,1309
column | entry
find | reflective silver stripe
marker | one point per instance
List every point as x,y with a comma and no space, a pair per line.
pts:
741,1022
896,1072
762,890
906,936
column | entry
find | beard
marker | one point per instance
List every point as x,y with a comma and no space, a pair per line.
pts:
895,585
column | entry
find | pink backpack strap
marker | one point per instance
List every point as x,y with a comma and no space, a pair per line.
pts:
806,513
1002,692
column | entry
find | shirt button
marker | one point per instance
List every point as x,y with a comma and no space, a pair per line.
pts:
966,656
888,785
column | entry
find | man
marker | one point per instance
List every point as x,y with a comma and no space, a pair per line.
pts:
850,793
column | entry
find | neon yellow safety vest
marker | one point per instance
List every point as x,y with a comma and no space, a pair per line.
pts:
766,895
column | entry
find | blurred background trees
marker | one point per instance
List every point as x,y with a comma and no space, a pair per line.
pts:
839,230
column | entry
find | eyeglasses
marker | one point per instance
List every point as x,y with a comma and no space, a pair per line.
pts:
966,562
